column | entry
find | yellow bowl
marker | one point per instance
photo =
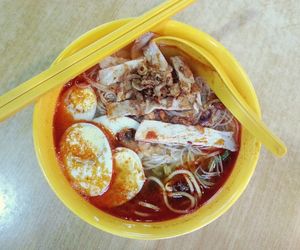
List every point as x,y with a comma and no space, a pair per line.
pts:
219,204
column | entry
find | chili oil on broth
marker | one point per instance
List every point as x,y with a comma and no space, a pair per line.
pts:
151,192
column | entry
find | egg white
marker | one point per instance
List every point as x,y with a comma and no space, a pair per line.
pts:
115,125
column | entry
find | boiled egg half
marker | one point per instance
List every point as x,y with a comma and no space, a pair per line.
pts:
81,102
87,158
128,178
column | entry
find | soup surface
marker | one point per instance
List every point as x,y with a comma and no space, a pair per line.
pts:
141,135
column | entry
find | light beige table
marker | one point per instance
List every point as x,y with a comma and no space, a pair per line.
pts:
264,35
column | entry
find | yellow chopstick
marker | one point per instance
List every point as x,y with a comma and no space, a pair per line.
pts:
77,63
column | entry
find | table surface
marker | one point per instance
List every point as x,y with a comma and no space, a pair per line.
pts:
263,35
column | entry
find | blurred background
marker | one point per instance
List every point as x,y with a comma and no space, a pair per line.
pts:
265,38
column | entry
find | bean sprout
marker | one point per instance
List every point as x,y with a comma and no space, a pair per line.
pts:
149,205
141,214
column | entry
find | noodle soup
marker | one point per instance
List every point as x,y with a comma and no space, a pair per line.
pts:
141,135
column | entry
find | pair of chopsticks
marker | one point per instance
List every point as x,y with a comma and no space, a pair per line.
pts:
67,69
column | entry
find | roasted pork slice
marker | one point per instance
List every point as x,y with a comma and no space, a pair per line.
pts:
184,74
137,108
125,108
137,48
155,57
176,134
111,61
116,73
